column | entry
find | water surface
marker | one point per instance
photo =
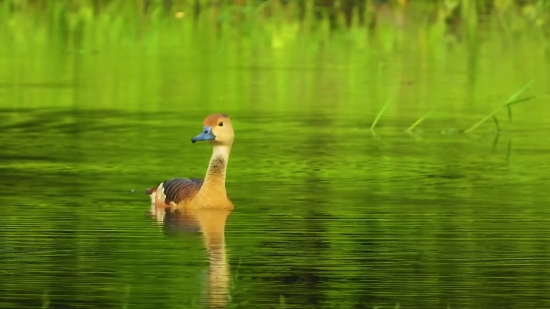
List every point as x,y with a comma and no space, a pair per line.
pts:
328,214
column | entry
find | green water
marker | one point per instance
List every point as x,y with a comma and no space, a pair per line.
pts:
328,214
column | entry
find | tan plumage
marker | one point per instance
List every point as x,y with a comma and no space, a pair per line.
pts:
186,194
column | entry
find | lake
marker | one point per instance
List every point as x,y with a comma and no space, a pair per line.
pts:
328,213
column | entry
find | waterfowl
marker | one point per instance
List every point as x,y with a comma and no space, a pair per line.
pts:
188,194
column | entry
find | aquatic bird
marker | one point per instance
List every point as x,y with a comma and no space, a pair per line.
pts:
189,194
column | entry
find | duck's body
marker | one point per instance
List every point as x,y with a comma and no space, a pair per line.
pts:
188,194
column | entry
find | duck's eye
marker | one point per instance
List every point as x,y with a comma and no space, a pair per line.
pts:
220,124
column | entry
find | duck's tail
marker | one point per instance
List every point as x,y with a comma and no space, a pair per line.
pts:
152,192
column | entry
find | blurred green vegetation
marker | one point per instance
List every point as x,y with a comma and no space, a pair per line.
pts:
393,23
374,50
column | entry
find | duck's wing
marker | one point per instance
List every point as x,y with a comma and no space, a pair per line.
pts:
176,190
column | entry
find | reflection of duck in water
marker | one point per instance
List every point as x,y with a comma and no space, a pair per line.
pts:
212,224
186,194
191,203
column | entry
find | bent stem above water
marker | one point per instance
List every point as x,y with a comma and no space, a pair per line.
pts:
380,114
416,123
512,100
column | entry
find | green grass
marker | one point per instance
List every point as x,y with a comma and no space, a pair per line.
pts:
512,100
301,32
97,22
380,114
417,122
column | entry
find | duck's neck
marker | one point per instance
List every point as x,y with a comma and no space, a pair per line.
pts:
215,175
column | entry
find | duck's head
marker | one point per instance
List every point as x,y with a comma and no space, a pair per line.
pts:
217,129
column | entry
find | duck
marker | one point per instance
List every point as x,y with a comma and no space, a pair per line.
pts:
186,195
